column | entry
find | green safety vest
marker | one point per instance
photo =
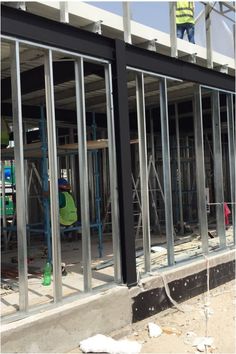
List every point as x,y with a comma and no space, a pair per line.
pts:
184,12
68,214
4,132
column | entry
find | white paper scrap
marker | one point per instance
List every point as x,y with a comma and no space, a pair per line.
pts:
100,344
158,249
154,330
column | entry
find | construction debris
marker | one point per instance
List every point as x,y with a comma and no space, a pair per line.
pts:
103,344
154,330
171,330
202,342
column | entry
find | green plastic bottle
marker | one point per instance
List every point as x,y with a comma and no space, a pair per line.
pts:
47,272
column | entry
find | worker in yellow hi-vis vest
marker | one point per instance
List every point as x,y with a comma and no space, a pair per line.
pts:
185,19
68,210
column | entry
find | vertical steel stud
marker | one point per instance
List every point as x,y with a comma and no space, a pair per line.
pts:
218,171
113,174
231,123
143,170
166,171
19,174
83,172
173,35
200,168
127,22
181,218
53,176
208,9
64,13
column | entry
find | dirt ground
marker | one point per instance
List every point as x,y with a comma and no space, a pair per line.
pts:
176,324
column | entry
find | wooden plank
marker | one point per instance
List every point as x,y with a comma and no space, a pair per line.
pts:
34,150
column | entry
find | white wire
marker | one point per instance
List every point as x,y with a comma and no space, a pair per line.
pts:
207,301
168,294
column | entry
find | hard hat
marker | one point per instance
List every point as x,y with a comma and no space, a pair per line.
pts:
63,183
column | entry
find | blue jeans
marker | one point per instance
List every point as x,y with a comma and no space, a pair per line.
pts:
189,28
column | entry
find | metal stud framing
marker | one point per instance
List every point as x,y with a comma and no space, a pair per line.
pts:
173,36
218,171
208,9
113,175
127,22
105,48
166,171
53,175
232,156
143,169
181,218
83,172
20,180
64,13
200,168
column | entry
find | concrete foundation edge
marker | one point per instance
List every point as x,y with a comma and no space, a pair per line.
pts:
184,282
61,329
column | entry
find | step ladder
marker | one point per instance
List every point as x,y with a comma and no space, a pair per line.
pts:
136,206
107,222
136,198
137,202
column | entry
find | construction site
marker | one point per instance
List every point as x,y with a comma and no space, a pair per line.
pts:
141,126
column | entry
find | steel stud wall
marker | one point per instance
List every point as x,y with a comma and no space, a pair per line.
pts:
116,56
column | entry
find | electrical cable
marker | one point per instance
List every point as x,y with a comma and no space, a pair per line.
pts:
207,300
180,308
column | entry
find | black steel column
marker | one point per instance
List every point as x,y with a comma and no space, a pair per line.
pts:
122,131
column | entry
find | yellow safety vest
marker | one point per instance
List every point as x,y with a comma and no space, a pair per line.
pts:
4,132
184,12
68,214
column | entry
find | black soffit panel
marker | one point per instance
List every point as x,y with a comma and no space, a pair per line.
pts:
33,79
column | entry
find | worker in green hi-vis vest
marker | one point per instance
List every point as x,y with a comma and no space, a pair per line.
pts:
185,19
68,210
